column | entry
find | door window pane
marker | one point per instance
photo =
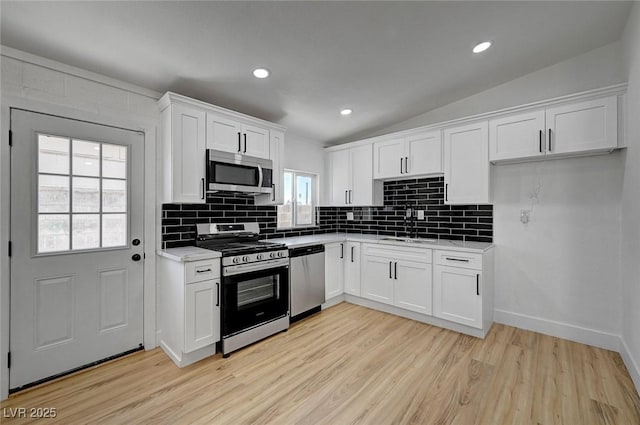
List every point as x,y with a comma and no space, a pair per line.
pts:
86,231
114,230
86,194
114,195
53,154
114,161
53,232
53,193
86,158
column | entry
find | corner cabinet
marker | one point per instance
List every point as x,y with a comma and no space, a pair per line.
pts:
190,127
189,309
351,178
334,269
413,155
570,129
466,164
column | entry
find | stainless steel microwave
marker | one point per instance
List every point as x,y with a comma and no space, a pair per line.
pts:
238,173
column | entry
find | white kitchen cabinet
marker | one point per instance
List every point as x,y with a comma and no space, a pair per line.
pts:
352,269
398,276
582,127
517,136
334,255
189,308
557,131
466,164
229,135
463,288
413,155
184,129
276,154
351,179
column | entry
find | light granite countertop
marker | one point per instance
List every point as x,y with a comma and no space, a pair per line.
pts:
188,253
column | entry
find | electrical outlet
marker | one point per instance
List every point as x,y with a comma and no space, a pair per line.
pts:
420,214
350,216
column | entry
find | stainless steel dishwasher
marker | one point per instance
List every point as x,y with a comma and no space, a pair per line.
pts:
306,280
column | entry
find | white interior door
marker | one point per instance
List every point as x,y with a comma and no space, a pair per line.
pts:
77,251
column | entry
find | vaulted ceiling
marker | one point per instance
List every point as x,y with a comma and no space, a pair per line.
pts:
388,61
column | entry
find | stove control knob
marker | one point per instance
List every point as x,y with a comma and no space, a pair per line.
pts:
236,260
259,256
245,258
280,254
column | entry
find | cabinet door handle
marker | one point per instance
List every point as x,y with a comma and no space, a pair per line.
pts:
204,271
549,140
446,192
218,292
346,194
390,275
350,197
202,195
239,143
395,265
478,284
540,141
352,248
273,187
457,259
406,165
341,250
245,142
401,172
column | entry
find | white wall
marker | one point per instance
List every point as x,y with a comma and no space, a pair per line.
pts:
304,154
594,69
42,85
630,259
560,273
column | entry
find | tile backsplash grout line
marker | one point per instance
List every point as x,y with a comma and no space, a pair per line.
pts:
453,222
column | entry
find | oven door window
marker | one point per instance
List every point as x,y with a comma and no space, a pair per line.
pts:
249,299
240,175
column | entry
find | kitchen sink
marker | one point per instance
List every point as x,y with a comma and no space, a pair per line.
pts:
409,240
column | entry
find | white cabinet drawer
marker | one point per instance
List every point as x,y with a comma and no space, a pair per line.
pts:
421,255
197,271
465,260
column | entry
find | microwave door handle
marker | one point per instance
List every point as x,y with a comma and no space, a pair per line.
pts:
260,176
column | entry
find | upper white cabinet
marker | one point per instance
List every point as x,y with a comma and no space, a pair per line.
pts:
236,137
413,155
190,127
276,153
568,129
466,164
350,177
184,153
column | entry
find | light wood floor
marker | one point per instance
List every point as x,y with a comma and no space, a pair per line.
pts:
352,365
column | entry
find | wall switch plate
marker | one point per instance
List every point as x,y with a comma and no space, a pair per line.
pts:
350,216
420,214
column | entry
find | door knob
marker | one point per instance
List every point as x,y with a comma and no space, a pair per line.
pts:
136,257
135,242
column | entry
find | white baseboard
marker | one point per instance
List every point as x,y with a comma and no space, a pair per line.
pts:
574,333
632,365
333,301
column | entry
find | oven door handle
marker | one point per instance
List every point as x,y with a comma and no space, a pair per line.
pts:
260,176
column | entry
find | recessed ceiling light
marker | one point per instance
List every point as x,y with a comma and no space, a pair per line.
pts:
482,47
261,73
346,112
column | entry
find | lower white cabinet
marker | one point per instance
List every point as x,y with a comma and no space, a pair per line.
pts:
334,254
397,276
461,293
189,309
352,269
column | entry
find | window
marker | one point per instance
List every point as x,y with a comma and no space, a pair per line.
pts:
300,194
82,194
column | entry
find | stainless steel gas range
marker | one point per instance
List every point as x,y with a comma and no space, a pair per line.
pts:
255,283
